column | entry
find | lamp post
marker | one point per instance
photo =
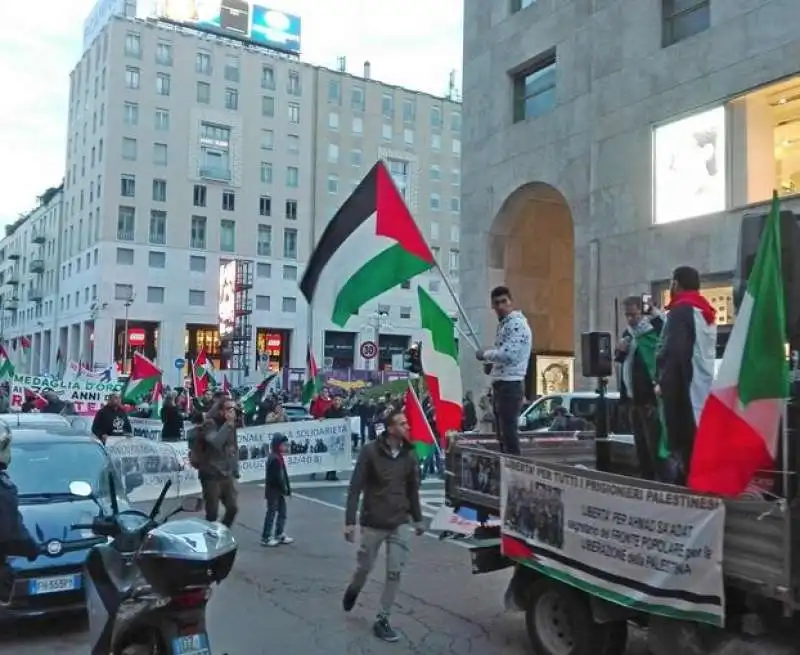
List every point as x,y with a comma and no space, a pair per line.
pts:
127,305
378,320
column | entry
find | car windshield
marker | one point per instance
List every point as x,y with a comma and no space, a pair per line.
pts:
47,467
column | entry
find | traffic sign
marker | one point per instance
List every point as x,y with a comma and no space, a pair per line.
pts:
369,349
264,357
180,362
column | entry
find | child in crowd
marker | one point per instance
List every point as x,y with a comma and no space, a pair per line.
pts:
276,490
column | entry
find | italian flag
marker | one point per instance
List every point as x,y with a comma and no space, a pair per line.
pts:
143,380
201,373
314,379
419,430
157,401
439,359
7,369
370,246
738,430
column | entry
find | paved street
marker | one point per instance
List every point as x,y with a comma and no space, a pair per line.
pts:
287,600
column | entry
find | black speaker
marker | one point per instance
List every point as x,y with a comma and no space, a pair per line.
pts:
597,354
749,239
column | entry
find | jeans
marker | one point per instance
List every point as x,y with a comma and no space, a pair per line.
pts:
433,463
275,516
507,396
216,490
396,557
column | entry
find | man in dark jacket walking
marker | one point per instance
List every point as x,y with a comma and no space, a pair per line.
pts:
387,475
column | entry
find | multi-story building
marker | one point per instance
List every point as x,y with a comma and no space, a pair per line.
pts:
187,150
29,262
606,144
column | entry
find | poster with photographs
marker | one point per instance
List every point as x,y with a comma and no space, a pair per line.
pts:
480,474
554,374
652,549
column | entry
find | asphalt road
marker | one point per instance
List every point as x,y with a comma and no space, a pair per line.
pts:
287,600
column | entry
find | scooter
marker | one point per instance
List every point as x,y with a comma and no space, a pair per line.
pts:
148,587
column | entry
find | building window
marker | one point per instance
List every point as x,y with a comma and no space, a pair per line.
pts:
267,77
409,111
263,270
126,223
294,113
334,92
333,184
684,18
436,141
228,201
436,118
357,98
266,172
197,264
358,125
123,292
290,243
199,195
455,177
162,119
356,158
535,89
267,106
291,210
197,238
455,205
408,136
265,206
124,257
405,313
231,99
227,236
164,54
454,233
232,68
264,243
130,113
127,186
519,5
197,298
333,153
436,173
133,45
160,154
156,259
293,84
262,303
155,295
387,105
202,63
435,202
333,121
158,227
129,148
290,273
292,177
162,84
453,263
159,191
455,122
386,132
289,305
435,231
203,93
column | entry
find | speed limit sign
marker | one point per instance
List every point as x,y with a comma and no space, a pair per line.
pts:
369,350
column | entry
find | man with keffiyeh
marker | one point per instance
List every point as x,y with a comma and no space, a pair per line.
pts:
636,354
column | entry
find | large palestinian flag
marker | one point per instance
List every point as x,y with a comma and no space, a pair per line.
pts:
370,246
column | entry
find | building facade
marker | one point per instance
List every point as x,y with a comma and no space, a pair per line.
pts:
187,150
606,145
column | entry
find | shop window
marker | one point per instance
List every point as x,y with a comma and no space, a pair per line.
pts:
721,298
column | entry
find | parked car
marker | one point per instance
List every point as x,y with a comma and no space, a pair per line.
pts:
580,404
34,421
297,412
43,463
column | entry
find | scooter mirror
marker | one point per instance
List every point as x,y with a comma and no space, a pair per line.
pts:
192,504
80,488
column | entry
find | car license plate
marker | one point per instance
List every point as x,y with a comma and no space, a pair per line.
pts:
54,584
191,645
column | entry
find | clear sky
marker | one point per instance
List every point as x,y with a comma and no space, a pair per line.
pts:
415,44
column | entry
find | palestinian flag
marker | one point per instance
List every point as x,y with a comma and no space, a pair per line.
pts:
226,386
738,431
157,401
143,380
439,359
252,399
370,246
314,379
38,400
7,369
419,430
200,373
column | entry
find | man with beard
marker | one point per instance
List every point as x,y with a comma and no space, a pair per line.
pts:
111,420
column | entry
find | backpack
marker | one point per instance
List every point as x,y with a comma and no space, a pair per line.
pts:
197,447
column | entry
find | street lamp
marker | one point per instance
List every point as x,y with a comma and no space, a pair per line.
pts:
127,305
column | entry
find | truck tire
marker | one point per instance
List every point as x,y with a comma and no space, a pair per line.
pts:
559,622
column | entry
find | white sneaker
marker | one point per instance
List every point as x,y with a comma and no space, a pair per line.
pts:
285,540
272,542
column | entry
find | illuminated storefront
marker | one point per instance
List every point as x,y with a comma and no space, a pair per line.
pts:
203,337
273,343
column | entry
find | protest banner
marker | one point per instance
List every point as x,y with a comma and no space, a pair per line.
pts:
86,396
314,447
655,550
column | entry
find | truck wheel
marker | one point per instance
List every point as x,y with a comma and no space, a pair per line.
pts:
560,622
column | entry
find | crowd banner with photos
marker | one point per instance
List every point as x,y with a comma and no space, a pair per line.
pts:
314,447
655,550
87,396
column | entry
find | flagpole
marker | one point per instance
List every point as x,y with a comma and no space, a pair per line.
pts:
472,338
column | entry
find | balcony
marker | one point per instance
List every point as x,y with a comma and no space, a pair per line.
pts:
215,173
13,279
124,235
11,305
37,266
38,237
35,294
13,256
198,242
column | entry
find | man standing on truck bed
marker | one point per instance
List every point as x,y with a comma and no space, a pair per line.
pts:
507,361
636,352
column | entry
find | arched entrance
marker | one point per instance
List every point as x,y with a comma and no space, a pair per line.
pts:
532,251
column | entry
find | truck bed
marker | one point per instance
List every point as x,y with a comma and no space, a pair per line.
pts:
759,539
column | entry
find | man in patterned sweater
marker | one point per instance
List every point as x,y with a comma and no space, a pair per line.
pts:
507,362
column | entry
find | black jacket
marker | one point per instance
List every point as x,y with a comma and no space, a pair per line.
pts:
111,422
173,423
15,540
277,478
642,392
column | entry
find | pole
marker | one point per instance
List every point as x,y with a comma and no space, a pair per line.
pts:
125,345
473,336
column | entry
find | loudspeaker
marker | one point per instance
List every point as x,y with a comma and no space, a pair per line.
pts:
597,354
749,239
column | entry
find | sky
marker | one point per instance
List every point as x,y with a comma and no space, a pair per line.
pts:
416,47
